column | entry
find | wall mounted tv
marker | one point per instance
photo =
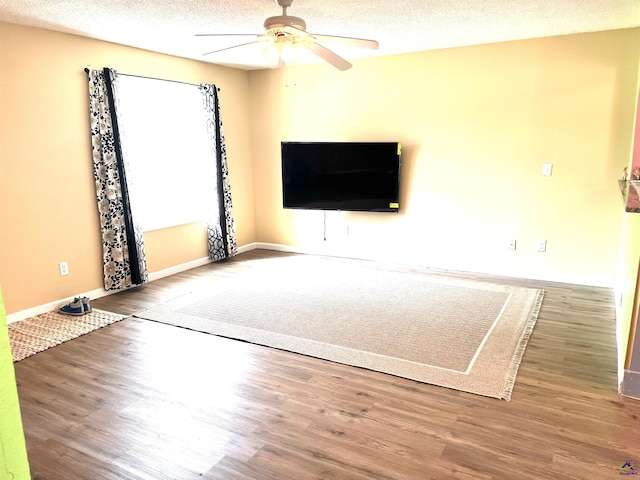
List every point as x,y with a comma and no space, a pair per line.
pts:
351,176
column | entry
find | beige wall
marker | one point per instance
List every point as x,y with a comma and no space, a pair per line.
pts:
477,124
47,208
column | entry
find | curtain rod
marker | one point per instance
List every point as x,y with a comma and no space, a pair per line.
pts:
86,70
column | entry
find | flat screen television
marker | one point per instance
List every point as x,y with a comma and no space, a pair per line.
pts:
351,176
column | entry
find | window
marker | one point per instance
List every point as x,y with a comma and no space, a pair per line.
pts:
171,169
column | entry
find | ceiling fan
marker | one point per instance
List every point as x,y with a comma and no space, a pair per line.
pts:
286,38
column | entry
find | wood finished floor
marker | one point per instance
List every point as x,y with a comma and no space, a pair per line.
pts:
144,400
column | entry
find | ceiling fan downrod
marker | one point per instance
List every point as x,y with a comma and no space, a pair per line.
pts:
284,4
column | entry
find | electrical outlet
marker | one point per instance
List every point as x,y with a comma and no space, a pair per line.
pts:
64,268
512,244
542,245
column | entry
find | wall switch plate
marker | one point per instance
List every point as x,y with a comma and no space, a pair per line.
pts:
512,244
542,245
546,169
64,268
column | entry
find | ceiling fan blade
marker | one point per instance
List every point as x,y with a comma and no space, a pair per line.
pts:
328,56
234,46
353,42
291,30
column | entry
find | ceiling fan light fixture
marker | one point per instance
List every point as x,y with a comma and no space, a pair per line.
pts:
270,53
294,52
281,49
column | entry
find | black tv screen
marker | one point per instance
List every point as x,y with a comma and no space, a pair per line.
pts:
352,176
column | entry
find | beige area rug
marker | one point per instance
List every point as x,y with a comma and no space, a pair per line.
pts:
460,334
36,334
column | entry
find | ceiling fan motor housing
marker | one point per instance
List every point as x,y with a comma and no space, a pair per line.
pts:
282,21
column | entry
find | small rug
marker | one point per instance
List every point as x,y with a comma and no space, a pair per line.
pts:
36,334
460,334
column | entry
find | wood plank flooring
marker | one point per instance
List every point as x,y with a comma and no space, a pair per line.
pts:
144,400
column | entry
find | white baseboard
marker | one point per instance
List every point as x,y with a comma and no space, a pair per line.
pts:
341,253
178,268
101,292
192,264
330,251
247,247
51,306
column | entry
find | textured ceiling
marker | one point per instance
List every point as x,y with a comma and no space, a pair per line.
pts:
399,26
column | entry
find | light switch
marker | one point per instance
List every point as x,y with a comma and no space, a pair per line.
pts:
546,169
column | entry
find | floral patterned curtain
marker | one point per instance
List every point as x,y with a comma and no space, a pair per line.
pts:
122,242
220,228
